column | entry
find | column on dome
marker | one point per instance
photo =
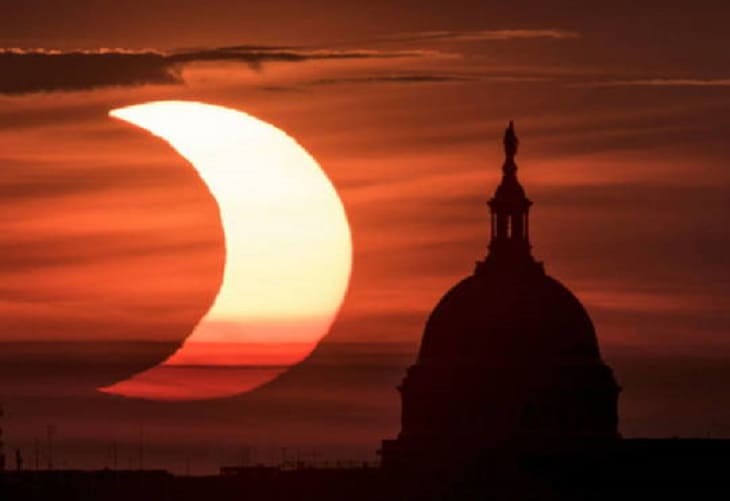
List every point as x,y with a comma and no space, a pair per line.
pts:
509,208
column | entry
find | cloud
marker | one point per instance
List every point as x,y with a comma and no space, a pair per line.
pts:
482,35
255,56
38,70
24,71
426,78
45,70
665,82
405,79
395,79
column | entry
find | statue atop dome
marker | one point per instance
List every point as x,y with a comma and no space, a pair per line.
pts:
509,214
511,144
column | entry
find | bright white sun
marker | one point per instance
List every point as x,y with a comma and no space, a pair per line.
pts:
288,245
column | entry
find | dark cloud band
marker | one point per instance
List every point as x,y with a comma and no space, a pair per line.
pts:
29,71
24,72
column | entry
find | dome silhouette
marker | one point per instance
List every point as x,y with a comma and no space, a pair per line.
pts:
509,357
487,319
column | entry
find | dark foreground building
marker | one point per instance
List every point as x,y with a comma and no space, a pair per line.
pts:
509,357
509,396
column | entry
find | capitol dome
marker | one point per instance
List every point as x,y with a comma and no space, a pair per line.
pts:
490,319
509,312
509,357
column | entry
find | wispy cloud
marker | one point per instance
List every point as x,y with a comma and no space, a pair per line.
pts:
664,82
482,35
26,71
256,56
376,79
426,78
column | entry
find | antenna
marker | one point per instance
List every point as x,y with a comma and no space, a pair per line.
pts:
2,443
37,452
50,433
141,447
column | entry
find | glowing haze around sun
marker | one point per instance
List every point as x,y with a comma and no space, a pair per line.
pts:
288,252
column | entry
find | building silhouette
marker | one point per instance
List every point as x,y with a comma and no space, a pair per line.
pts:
509,357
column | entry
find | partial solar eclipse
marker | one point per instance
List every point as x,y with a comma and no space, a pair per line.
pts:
288,252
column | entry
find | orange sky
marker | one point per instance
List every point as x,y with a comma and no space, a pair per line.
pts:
106,234
103,222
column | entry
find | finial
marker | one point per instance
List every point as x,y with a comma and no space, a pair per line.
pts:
510,141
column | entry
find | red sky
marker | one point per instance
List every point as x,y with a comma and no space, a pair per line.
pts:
107,234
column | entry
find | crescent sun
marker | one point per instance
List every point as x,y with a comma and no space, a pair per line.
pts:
288,252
